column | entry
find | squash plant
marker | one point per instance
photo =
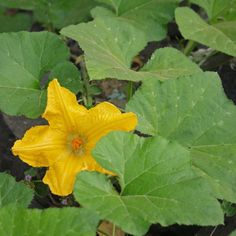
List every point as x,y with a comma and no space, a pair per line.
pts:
168,158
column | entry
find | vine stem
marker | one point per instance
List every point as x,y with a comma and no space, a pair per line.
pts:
130,90
213,231
114,230
87,99
189,47
207,57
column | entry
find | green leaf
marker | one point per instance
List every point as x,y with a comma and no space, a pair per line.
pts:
193,27
53,222
16,22
13,193
194,112
228,208
58,13
233,233
111,45
150,16
68,76
168,63
61,13
228,28
161,11
26,58
157,185
218,9
19,4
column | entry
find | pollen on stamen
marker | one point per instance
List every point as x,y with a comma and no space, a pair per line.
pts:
76,143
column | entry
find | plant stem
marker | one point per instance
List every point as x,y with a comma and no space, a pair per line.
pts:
207,57
189,47
130,90
50,27
87,99
213,231
114,230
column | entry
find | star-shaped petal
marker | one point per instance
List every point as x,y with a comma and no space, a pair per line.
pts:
64,146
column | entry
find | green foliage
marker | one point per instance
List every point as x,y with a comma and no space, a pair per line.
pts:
194,112
149,16
25,58
61,13
67,75
20,4
228,208
233,233
157,185
55,13
218,10
17,221
13,193
168,63
110,46
221,36
174,176
15,22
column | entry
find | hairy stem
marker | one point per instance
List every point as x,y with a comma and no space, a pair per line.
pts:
189,47
114,230
130,90
87,99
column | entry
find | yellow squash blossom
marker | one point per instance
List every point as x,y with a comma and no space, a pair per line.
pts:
64,146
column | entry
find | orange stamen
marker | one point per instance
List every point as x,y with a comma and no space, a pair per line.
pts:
76,143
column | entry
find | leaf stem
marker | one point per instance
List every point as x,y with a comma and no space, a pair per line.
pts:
130,90
114,230
189,47
207,57
213,231
87,99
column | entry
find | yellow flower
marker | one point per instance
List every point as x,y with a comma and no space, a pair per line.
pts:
65,144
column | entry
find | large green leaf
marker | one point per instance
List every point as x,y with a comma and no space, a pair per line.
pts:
13,193
15,22
194,112
20,4
68,76
228,28
61,13
57,13
221,9
217,37
168,63
25,58
157,185
151,16
110,46
52,222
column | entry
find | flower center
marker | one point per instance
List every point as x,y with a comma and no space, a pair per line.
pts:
76,143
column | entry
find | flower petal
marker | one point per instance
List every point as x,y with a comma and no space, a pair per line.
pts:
62,107
106,117
91,165
40,146
61,176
